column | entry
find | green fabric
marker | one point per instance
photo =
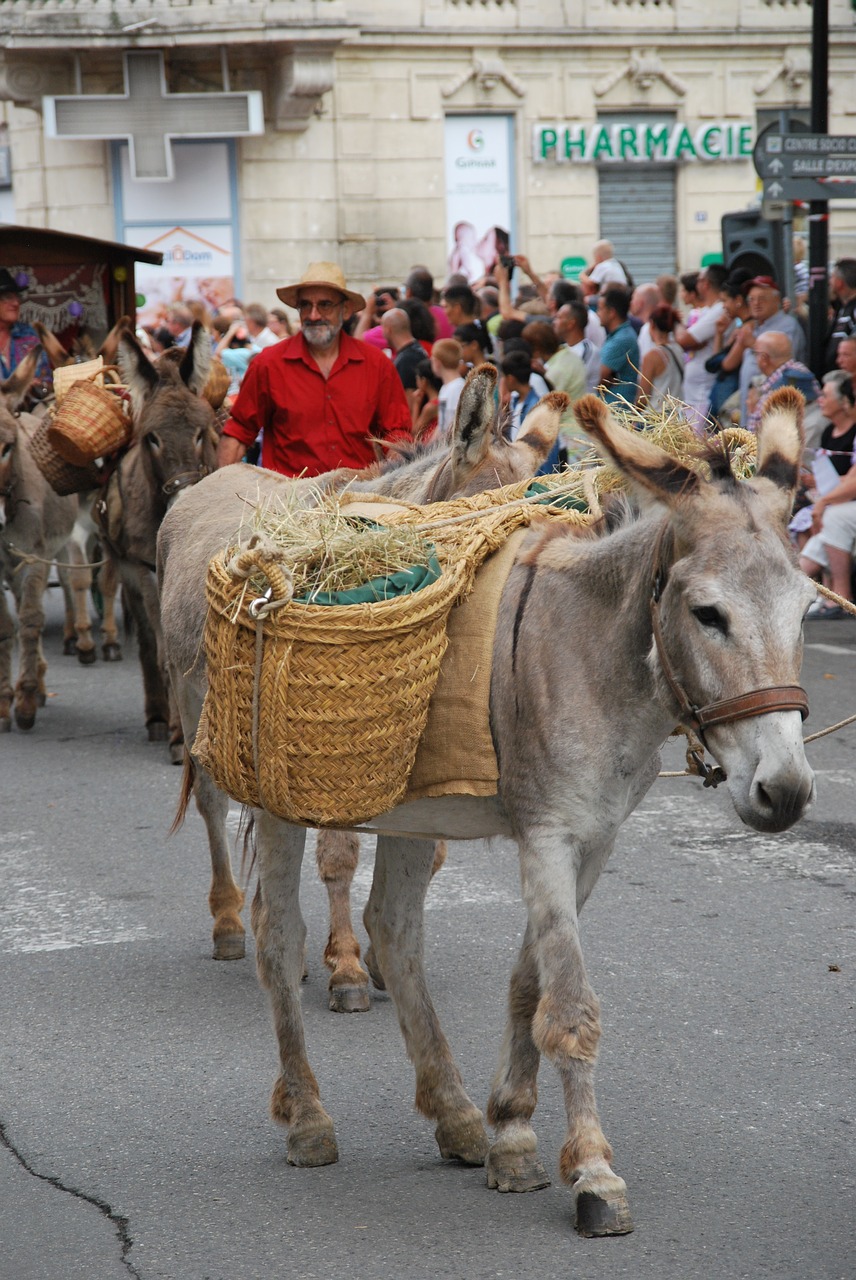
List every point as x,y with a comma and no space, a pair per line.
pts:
403,583
564,500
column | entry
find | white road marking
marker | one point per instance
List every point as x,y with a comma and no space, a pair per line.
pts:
832,648
38,912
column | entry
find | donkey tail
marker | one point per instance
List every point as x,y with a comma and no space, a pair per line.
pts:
187,777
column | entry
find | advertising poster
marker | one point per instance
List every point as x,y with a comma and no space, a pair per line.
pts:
197,267
479,192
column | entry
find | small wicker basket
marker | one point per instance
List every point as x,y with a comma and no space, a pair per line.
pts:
218,384
63,477
89,422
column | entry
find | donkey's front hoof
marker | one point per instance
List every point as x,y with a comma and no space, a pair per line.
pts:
25,710
603,1215
464,1140
230,946
516,1171
176,753
69,647
350,1000
87,657
311,1149
111,653
5,724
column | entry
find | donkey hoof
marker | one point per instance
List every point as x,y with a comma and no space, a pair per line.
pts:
231,946
515,1171
25,710
5,724
176,753
349,1000
603,1215
309,1150
69,646
374,971
158,731
465,1141
86,657
111,653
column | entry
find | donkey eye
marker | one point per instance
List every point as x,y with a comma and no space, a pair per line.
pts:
709,616
153,441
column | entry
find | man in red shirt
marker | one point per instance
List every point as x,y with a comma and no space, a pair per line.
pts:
320,397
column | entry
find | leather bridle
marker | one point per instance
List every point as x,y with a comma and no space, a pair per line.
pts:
758,702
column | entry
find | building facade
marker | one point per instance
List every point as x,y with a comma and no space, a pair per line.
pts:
382,134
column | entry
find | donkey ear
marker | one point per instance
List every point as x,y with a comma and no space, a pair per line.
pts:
473,429
109,346
138,373
649,466
18,383
781,439
541,427
196,362
54,349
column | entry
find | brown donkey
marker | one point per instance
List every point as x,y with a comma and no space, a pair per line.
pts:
690,613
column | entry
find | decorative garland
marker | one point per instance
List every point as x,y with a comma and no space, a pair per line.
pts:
62,303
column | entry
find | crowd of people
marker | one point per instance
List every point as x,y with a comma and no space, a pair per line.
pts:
355,372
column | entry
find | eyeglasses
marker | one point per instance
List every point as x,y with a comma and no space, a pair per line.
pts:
324,308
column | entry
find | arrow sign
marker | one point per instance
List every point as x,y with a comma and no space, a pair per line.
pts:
775,166
774,190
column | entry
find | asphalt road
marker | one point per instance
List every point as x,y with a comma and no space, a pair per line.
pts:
134,1134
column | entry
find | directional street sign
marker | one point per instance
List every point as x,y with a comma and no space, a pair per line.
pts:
807,166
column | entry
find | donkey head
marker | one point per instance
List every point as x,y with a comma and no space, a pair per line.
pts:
731,599
173,426
477,455
13,392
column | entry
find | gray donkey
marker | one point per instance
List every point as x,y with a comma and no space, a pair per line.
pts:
478,456
691,613
35,523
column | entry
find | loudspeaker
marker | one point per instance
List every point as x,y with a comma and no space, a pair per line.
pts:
749,241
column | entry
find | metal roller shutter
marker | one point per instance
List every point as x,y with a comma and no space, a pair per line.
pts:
637,213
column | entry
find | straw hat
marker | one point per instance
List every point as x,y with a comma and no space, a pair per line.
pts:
326,275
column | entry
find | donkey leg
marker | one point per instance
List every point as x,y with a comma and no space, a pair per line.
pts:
140,593
398,941
108,586
372,908
225,899
337,854
512,1163
30,592
7,644
566,1026
76,581
280,937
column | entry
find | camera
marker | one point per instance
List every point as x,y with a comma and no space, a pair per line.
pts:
507,261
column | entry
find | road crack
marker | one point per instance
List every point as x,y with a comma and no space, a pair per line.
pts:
120,1223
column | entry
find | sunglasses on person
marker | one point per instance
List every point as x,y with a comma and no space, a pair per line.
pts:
324,308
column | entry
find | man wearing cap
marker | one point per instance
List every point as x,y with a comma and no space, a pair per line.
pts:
765,306
320,398
16,339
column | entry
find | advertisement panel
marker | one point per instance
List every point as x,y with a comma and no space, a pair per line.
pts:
479,192
197,267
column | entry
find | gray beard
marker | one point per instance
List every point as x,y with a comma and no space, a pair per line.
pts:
321,335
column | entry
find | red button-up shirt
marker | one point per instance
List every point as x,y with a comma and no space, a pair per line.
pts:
310,425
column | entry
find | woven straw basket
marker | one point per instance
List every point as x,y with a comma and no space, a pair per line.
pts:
88,423
316,712
218,384
63,477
